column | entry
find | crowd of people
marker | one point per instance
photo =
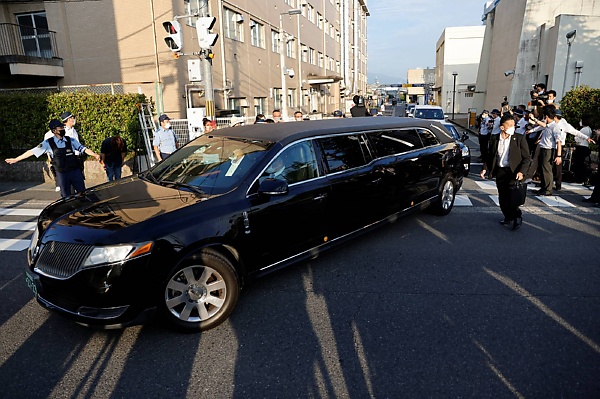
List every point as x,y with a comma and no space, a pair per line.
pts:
542,131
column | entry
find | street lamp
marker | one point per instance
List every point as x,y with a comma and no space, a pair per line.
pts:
570,38
282,43
454,74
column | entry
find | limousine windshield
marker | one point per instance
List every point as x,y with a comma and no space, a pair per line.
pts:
213,165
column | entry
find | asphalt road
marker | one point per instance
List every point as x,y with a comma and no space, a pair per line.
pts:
428,307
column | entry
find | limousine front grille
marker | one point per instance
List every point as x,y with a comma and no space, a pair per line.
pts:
62,260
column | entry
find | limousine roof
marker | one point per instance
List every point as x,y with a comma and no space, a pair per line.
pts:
291,131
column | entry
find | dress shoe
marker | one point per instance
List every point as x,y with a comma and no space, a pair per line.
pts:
542,192
517,223
557,188
505,222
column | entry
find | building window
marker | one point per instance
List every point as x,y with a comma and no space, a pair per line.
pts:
320,57
319,20
304,98
233,25
289,3
310,13
337,66
275,41
311,56
35,36
236,103
291,98
192,7
304,54
337,35
257,34
277,98
331,64
290,48
259,105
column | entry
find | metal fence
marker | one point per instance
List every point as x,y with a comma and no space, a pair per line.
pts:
20,42
150,89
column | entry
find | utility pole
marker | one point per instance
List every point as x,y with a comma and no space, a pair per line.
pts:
206,61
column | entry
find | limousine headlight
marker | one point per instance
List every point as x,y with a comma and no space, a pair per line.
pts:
33,247
465,151
116,253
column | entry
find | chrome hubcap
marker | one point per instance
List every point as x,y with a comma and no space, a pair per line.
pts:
447,195
196,293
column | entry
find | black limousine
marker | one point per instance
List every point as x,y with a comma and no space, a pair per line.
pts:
181,238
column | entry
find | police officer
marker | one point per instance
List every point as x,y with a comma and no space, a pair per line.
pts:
62,150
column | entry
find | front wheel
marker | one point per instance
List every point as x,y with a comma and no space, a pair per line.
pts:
201,292
445,201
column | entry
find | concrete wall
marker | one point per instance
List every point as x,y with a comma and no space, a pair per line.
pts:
528,36
38,171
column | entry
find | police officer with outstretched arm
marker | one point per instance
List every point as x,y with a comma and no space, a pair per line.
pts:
62,150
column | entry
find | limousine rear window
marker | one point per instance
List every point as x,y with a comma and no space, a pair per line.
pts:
428,138
344,152
391,142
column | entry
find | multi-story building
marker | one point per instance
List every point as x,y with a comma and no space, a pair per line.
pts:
420,81
457,57
121,42
531,41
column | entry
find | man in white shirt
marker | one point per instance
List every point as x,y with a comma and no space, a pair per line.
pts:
565,127
550,149
521,122
484,135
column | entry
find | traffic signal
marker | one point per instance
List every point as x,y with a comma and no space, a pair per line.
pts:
175,38
203,26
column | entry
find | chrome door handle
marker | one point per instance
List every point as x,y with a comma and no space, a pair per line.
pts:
320,197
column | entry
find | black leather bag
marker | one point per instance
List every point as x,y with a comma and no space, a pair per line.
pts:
518,193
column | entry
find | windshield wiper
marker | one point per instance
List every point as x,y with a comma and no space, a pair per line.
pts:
180,184
148,176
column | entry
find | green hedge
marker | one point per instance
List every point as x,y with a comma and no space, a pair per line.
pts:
580,101
24,118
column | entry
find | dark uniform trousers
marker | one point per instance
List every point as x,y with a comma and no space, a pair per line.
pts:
70,178
545,159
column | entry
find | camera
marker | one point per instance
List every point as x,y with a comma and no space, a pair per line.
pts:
291,73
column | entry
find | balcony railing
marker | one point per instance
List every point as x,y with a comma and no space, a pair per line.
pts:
19,43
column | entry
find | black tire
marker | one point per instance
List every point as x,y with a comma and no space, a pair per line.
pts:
201,292
445,201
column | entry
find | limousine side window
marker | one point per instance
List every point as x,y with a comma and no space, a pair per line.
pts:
391,142
295,164
428,138
344,152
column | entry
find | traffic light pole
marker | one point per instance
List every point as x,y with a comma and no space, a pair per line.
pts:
206,61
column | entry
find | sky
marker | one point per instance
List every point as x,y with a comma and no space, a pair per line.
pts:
402,34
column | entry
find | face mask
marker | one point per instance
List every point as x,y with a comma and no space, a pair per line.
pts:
167,125
550,101
61,133
74,121
510,131
580,123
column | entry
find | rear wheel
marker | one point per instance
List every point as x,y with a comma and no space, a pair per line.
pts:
201,292
445,201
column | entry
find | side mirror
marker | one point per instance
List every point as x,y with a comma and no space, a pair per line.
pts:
271,186
464,137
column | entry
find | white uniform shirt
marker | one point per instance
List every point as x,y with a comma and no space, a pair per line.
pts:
520,128
69,132
587,131
483,128
565,127
503,150
496,127
550,136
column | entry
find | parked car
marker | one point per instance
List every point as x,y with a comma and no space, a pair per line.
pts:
183,237
431,112
409,109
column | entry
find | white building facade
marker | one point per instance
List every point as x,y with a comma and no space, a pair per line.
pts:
526,43
458,53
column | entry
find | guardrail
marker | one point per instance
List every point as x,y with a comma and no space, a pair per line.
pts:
25,41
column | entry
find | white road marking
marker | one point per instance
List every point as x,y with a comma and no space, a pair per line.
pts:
10,244
19,212
462,200
486,185
553,200
28,226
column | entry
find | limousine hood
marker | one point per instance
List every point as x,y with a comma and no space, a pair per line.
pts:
111,207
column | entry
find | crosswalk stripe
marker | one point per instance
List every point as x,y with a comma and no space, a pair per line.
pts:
11,244
17,225
19,212
462,200
553,200
486,185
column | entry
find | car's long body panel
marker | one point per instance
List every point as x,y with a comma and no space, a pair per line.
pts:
259,233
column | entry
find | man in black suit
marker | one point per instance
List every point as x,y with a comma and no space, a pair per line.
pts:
508,162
